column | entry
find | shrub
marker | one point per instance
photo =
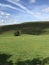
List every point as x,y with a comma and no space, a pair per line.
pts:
17,33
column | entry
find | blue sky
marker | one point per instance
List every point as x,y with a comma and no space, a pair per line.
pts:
18,11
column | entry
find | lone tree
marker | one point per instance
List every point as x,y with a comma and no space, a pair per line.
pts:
17,33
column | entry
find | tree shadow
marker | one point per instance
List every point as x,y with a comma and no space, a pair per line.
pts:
4,59
35,61
45,61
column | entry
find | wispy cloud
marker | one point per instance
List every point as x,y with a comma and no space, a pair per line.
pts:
15,0
21,6
36,14
9,6
7,19
32,1
46,10
1,22
4,13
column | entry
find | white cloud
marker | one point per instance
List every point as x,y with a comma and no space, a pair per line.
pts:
8,21
26,10
9,6
8,14
21,6
46,10
15,0
37,14
4,13
2,20
32,1
47,19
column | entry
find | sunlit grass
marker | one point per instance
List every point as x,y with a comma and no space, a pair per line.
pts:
24,46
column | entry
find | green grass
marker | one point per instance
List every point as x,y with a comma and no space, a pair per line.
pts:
25,46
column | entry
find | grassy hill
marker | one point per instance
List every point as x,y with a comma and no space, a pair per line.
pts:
26,49
33,28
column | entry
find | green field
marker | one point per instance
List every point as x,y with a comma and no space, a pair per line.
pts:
25,46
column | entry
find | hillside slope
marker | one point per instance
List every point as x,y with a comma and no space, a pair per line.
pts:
27,28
